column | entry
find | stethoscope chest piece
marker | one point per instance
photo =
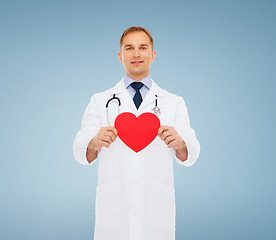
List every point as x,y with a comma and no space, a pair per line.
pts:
156,110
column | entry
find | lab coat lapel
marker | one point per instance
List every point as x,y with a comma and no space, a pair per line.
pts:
150,97
120,90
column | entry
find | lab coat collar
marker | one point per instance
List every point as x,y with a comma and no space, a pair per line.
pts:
120,90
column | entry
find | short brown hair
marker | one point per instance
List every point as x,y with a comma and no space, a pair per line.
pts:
136,29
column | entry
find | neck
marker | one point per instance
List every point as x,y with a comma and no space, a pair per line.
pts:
137,78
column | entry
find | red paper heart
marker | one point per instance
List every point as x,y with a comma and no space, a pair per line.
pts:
137,133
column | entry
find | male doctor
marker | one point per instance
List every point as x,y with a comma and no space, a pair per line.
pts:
135,198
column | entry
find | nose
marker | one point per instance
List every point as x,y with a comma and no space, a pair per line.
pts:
136,53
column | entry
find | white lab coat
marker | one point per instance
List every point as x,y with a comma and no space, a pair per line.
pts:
135,197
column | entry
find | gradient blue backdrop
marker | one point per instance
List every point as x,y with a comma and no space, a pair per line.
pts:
218,55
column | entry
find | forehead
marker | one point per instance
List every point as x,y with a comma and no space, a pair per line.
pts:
136,38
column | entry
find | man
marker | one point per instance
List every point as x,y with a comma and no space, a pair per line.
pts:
135,194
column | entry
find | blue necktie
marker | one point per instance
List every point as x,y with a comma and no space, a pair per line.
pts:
137,97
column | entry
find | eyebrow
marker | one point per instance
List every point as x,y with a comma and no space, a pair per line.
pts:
129,45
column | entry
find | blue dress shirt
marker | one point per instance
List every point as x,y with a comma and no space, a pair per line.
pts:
144,90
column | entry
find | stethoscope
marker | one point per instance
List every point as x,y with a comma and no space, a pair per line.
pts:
156,110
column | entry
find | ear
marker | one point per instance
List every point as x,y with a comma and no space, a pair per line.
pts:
153,55
120,57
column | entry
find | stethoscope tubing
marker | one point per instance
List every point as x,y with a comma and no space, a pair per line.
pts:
113,98
155,110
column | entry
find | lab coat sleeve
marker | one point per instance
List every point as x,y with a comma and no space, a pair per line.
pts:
90,126
184,130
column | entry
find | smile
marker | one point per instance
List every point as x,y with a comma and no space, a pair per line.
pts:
137,63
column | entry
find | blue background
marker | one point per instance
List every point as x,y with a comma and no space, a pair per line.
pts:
218,55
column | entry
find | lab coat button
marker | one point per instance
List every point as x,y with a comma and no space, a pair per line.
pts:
135,181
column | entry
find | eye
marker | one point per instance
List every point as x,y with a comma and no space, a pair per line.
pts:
143,48
128,48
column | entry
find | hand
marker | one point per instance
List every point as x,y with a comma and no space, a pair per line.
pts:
104,138
170,137
173,140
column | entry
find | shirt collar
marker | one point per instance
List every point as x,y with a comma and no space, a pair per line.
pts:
146,81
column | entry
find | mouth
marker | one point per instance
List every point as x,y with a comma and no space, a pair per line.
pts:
136,62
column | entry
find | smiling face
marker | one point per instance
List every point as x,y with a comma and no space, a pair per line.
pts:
136,54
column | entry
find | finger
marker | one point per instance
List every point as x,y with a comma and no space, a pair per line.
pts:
165,126
161,130
108,132
172,143
112,129
107,139
109,128
111,135
169,139
177,144
168,128
162,133
104,144
115,131
168,134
